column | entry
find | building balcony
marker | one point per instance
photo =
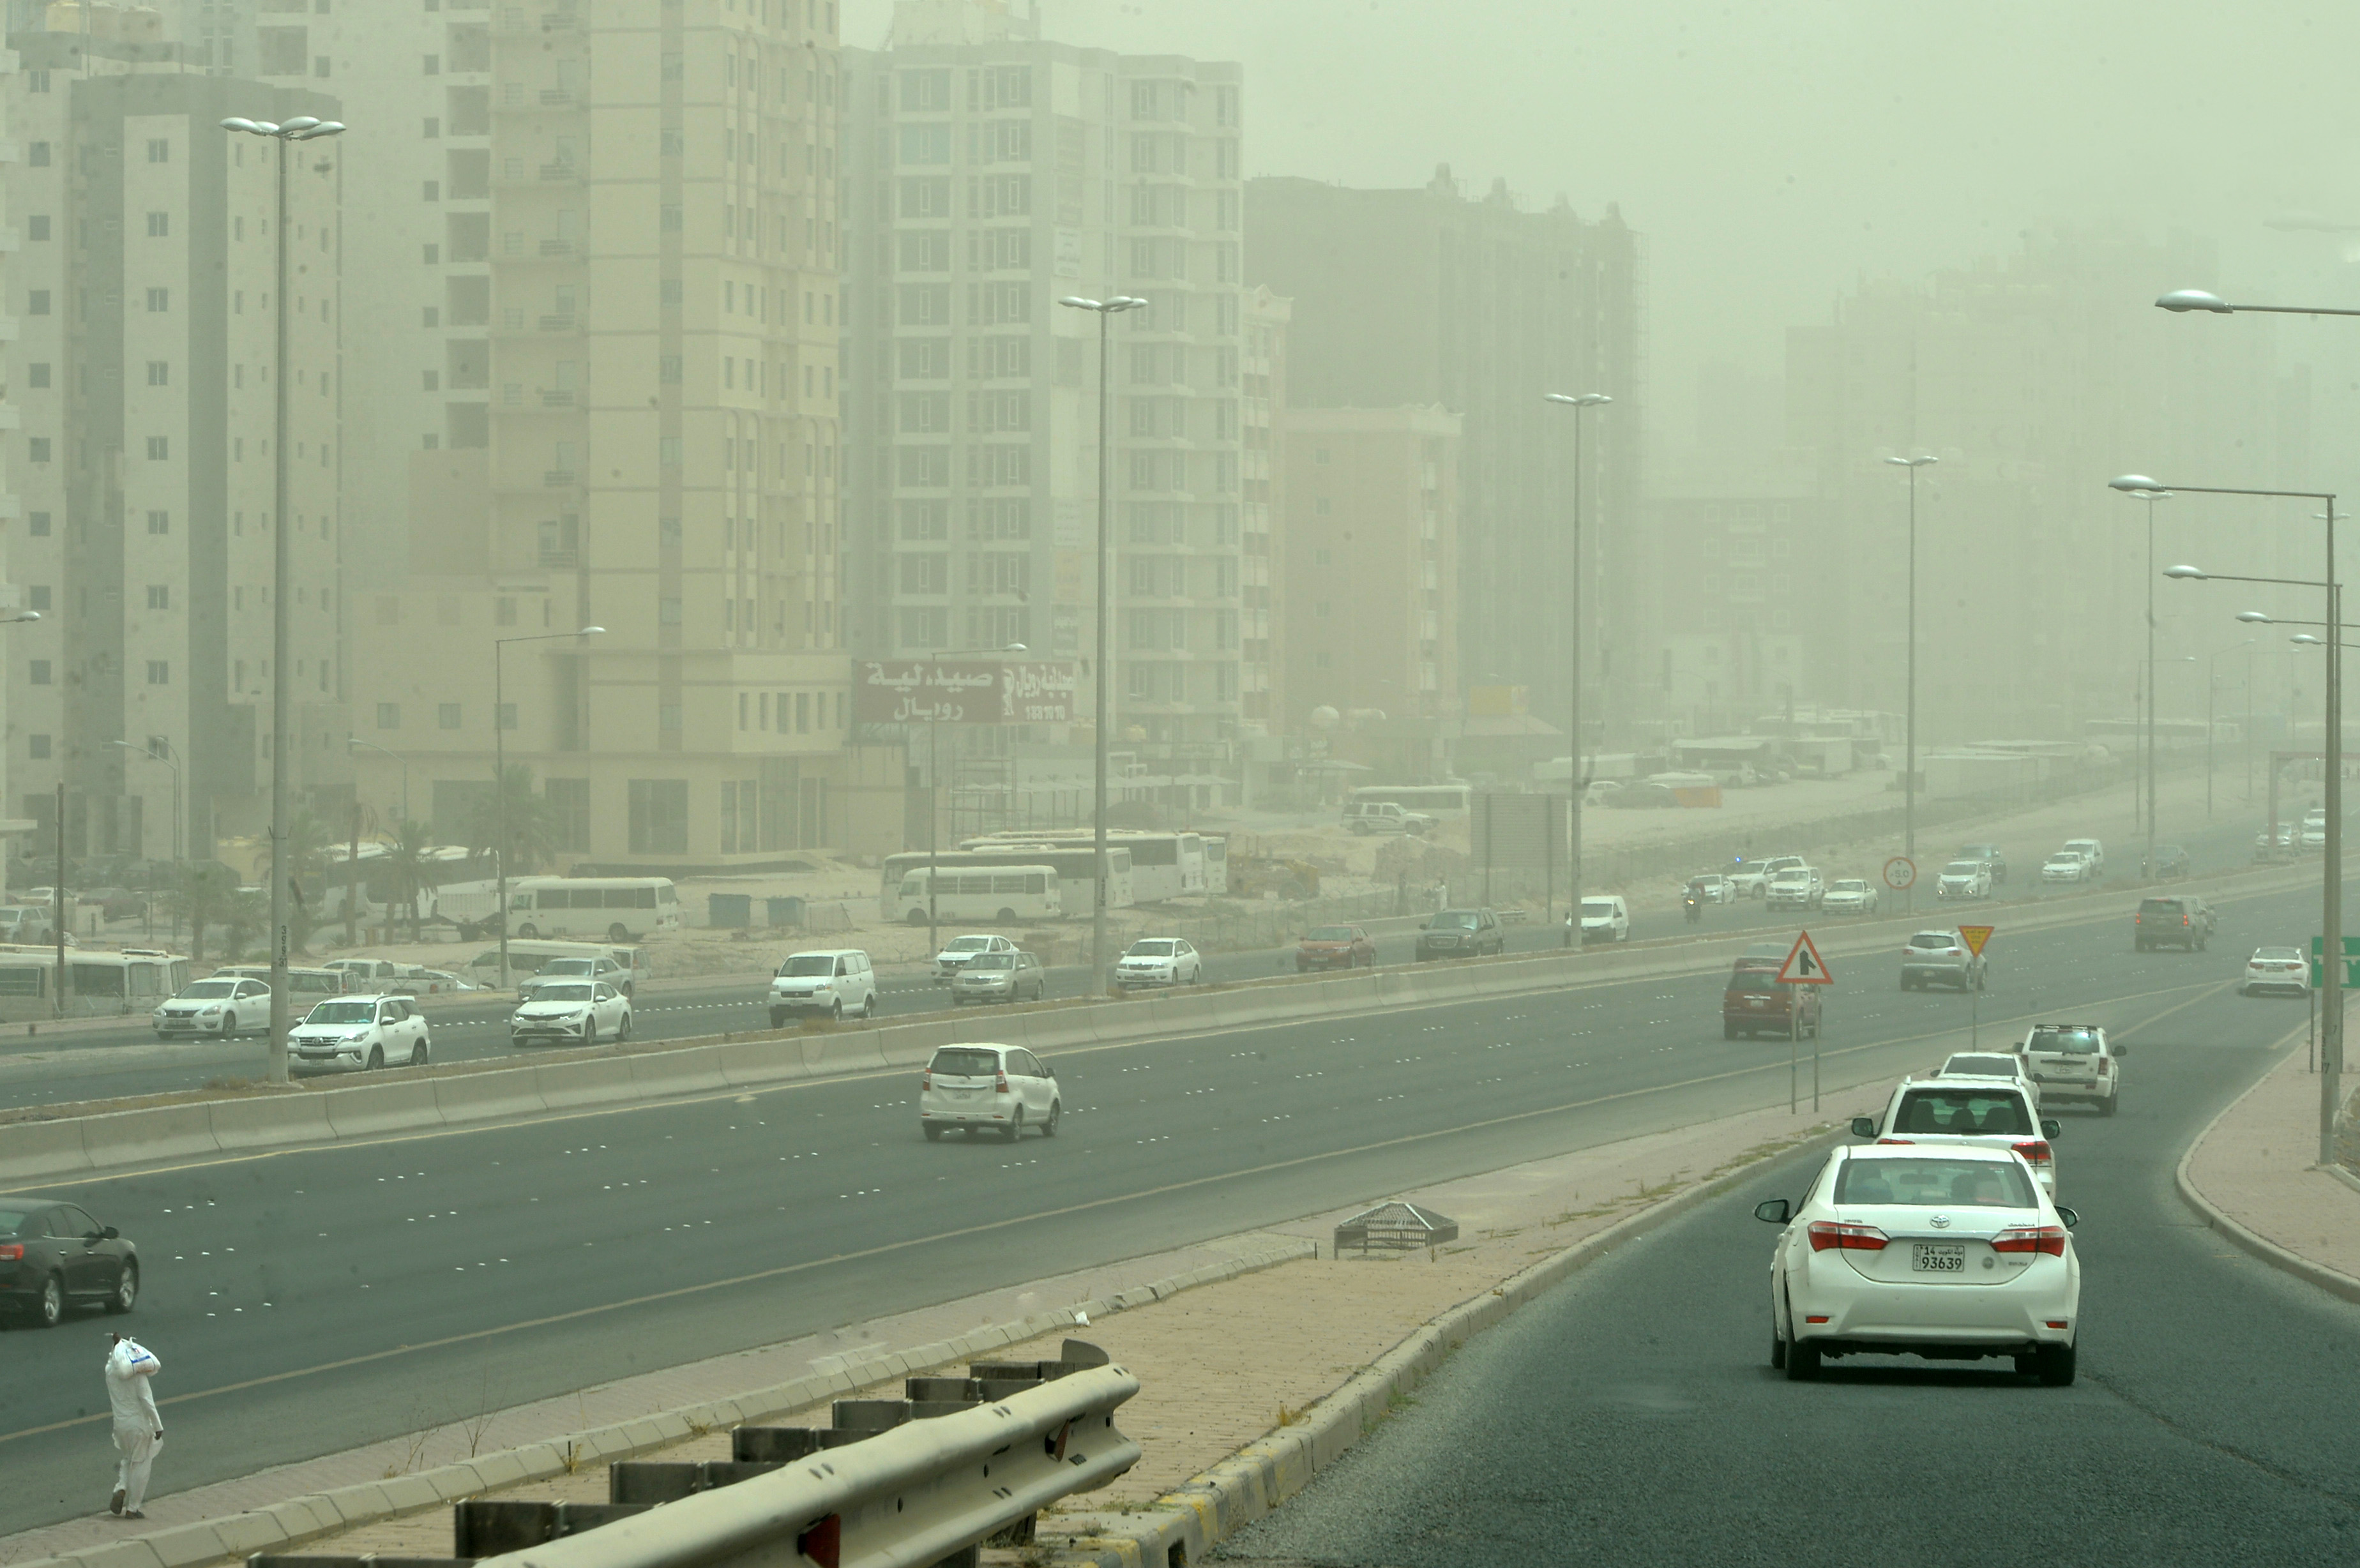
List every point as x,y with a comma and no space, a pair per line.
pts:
559,479
516,323
560,247
557,397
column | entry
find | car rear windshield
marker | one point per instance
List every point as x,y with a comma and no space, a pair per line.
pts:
343,1013
2158,906
1961,868
1757,981
1598,907
1921,1182
2280,954
969,1064
1963,1113
566,966
2067,1041
807,964
968,944
1847,886
1933,942
13,1220
1330,933
1991,1066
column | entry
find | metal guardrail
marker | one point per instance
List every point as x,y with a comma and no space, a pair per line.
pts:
894,1483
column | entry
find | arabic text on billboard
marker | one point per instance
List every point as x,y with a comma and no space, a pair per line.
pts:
964,691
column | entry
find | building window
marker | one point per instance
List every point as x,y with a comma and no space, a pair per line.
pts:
159,449
37,155
37,374
159,672
159,596
39,525
447,715
389,715
659,816
160,226
508,715
37,302
38,227
159,373
37,448
159,300
160,522
668,717
37,672
37,748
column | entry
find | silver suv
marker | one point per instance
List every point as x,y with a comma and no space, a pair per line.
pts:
1940,958
1384,817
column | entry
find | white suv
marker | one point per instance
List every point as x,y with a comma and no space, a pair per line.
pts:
1384,817
953,957
834,980
997,1088
1994,1112
1795,886
2074,1061
359,1034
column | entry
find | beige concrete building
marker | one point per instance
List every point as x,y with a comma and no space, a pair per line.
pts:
1370,539
1262,649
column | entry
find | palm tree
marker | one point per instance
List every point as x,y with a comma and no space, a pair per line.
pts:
200,890
308,838
409,868
244,910
532,829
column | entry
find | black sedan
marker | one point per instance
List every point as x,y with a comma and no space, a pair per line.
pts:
53,1256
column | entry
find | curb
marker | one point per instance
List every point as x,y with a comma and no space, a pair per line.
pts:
303,1519
2334,1282
1185,1523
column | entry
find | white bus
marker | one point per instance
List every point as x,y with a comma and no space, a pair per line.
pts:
619,909
1443,802
1077,873
1162,864
1002,894
133,980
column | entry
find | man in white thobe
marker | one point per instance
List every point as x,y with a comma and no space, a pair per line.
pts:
138,1430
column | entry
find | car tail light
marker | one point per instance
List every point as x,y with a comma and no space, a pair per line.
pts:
1846,1237
1896,1140
2101,1066
926,1079
2183,920
999,1086
10,1251
2035,1151
2047,1238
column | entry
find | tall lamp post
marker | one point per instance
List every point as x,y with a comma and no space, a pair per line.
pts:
1106,310
1580,403
500,771
2331,1054
302,128
358,743
1909,746
2151,496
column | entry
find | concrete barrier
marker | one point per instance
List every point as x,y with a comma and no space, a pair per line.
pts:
367,1108
697,1070
770,1060
31,1150
482,1096
843,1051
166,1132
269,1124
598,1081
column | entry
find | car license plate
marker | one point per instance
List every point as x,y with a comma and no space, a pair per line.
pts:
1938,1256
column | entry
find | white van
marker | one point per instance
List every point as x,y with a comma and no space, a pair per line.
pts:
620,908
968,894
834,980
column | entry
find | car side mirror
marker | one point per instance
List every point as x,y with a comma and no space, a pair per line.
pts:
2050,1126
1864,1127
1425,925
110,1233
1047,1071
2068,1216
2117,1052
1773,1211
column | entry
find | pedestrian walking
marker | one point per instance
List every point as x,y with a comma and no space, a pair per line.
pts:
138,1430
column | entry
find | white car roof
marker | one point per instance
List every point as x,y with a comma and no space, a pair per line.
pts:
1992,1152
830,953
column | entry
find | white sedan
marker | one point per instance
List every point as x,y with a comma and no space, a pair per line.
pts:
1159,961
1849,895
1950,1254
2276,969
2065,866
583,1012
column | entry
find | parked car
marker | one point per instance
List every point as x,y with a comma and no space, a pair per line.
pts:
221,1004
1755,1002
116,903
26,923
1990,855
1952,1254
54,1257
365,973
2170,860
962,948
2065,866
1158,960
999,978
832,981
359,1034
1978,1112
1940,958
1461,933
1384,817
2074,1061
988,1088
1850,896
1335,947
1605,918
581,1011
1750,879
1964,879
2181,919
2091,850
432,982
2283,838
2276,969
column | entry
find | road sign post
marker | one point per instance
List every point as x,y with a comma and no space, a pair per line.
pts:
1901,874
1974,937
1804,966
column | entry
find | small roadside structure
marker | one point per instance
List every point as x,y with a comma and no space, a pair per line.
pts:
1395,1226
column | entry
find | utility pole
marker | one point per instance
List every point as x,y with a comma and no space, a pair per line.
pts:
58,902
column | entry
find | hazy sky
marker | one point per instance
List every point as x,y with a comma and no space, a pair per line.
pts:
1772,154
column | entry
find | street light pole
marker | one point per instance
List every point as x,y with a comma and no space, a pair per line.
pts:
1104,309
2147,865
500,773
301,128
1909,749
1580,403
2331,1055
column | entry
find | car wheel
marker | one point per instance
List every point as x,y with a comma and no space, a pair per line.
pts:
777,1018
229,1026
623,1030
418,1055
836,1011
1777,1349
934,1134
50,1309
1802,1361
528,931
618,933
1728,1031
2056,1364
1049,1128
2106,1105
869,1008
1006,917
2026,1363
126,1290
1015,1128
590,1031
377,1057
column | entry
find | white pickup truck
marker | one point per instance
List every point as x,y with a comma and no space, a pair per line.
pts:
1384,817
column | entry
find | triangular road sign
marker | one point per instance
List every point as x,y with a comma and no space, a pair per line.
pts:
1804,966
1974,937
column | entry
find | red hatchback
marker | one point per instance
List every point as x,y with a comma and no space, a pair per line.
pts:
1756,1004
1335,947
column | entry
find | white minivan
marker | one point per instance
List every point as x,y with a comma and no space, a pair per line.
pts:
997,1088
832,981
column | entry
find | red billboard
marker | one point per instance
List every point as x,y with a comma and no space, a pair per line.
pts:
970,691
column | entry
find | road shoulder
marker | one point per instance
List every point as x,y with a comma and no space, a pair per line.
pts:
2253,1177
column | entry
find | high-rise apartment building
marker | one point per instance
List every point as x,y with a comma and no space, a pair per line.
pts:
145,364
1424,297
990,173
1262,575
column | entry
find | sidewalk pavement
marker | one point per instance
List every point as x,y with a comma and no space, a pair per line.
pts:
1219,1365
2254,1173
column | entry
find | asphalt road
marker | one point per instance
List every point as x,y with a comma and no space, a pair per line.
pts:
1630,1417
60,1069
306,1302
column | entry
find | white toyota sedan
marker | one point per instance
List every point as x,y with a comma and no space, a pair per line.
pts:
1948,1254
1159,961
2065,866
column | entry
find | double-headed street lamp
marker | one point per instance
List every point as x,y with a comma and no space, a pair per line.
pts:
1106,310
2331,1054
302,128
2150,498
1909,749
500,771
1580,403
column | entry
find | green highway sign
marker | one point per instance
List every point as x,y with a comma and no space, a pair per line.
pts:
2351,963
